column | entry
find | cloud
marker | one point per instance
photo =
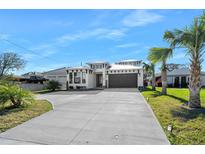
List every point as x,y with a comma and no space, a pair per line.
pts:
29,56
101,17
113,34
40,51
46,49
42,67
127,45
179,56
59,23
141,18
98,33
4,36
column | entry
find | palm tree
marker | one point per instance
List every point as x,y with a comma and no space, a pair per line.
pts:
160,55
150,70
15,94
191,38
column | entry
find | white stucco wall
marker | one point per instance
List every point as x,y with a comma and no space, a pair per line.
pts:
91,80
33,86
140,78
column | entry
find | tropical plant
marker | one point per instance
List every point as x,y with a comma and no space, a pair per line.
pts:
191,38
149,70
15,94
53,85
160,55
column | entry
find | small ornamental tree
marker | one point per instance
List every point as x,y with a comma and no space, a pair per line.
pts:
53,85
10,61
149,70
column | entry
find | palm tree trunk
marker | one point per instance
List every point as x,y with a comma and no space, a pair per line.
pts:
195,84
164,81
153,80
153,84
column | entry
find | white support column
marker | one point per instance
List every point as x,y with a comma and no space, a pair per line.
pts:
180,81
73,78
107,76
173,80
140,78
87,79
67,79
187,79
104,79
81,77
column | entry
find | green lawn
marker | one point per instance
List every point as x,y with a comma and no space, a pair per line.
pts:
11,117
188,125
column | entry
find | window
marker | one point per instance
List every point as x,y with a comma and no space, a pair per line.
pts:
83,77
77,77
70,77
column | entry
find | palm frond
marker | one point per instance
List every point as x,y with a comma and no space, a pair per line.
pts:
159,54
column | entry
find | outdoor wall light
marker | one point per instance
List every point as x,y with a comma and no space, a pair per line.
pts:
169,128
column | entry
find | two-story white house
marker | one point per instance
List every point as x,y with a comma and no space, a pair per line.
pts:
100,74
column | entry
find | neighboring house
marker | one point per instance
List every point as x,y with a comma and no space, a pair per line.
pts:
59,75
30,74
31,81
100,74
179,78
34,77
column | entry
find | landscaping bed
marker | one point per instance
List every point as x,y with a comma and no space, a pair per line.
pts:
11,117
188,124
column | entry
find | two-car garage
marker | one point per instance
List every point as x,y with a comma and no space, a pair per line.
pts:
123,80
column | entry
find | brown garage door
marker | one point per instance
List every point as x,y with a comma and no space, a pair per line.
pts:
122,80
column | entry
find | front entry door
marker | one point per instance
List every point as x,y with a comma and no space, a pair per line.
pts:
99,80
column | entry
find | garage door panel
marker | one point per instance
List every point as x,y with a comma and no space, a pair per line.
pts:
122,80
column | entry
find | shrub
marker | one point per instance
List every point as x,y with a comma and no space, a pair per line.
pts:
53,85
15,94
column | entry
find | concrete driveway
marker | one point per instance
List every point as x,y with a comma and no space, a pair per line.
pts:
111,116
